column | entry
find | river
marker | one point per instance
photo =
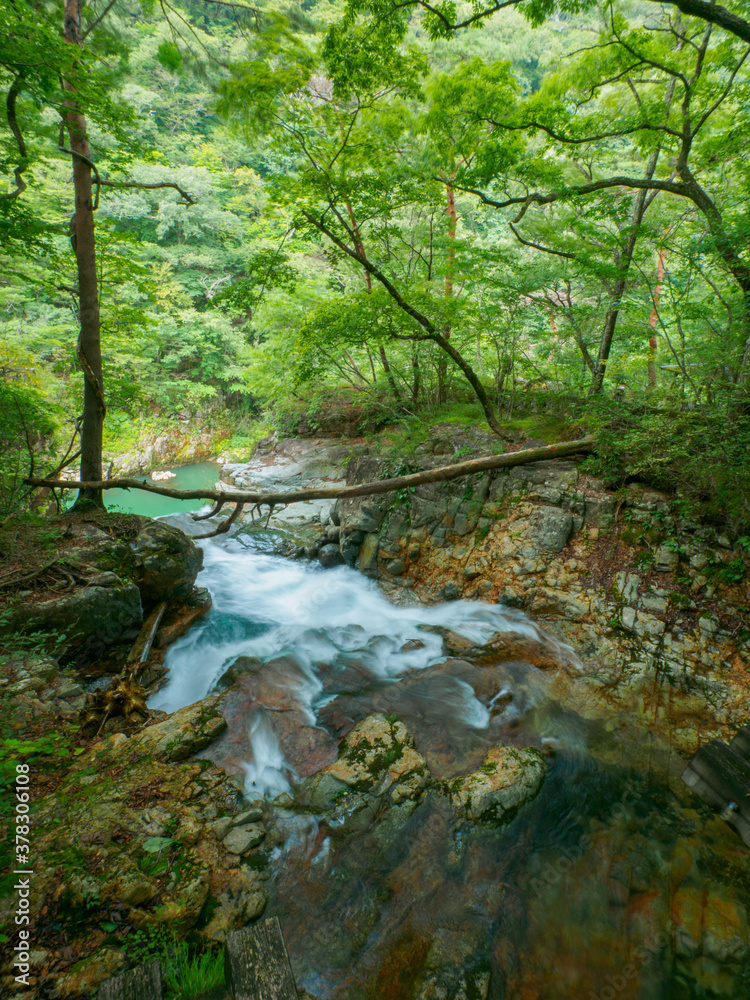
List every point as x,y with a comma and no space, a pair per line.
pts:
202,475
611,883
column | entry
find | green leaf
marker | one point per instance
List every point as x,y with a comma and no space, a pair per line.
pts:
169,56
108,927
156,844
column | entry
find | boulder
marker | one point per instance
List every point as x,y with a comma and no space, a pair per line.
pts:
507,778
167,562
549,528
377,765
242,839
184,733
96,616
330,555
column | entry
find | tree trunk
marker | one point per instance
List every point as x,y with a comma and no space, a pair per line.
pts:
653,343
442,365
416,377
641,201
608,335
743,377
89,343
387,369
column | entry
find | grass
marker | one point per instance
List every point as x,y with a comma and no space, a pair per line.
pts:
186,974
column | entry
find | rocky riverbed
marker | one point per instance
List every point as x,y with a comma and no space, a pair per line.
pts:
438,800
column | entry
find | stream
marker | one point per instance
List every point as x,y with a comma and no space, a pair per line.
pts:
613,882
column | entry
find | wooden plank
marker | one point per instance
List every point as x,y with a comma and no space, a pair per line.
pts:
257,965
741,743
143,983
721,778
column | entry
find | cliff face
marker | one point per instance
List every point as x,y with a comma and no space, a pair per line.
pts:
654,605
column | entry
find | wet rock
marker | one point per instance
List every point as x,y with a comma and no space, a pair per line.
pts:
710,923
330,555
135,889
181,614
242,899
167,562
367,560
450,592
85,976
220,827
251,815
181,906
102,615
548,602
396,567
377,762
508,778
242,839
184,733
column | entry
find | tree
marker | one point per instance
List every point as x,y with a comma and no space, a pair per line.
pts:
638,68
83,237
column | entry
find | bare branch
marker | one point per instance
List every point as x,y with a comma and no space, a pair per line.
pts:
439,475
151,187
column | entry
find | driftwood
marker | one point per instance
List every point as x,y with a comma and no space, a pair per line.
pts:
142,645
220,497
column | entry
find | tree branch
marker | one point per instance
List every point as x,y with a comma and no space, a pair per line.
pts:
99,20
714,14
151,187
439,475
538,246
10,106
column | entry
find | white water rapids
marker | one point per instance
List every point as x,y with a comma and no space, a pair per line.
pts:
265,606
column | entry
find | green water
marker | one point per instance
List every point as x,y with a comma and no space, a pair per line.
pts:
203,475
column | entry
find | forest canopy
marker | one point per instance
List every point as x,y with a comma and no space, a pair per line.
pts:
472,210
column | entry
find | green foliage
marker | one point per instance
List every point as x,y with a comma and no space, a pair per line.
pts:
698,455
185,970
187,973
312,139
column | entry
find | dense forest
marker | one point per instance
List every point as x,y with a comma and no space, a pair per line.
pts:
475,212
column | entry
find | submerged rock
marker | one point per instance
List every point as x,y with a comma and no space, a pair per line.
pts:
508,778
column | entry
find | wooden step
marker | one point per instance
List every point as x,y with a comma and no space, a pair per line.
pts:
257,965
143,983
741,743
721,777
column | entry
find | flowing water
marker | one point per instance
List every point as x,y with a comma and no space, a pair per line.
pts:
611,883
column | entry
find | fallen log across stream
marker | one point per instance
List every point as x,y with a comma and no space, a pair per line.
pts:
259,499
